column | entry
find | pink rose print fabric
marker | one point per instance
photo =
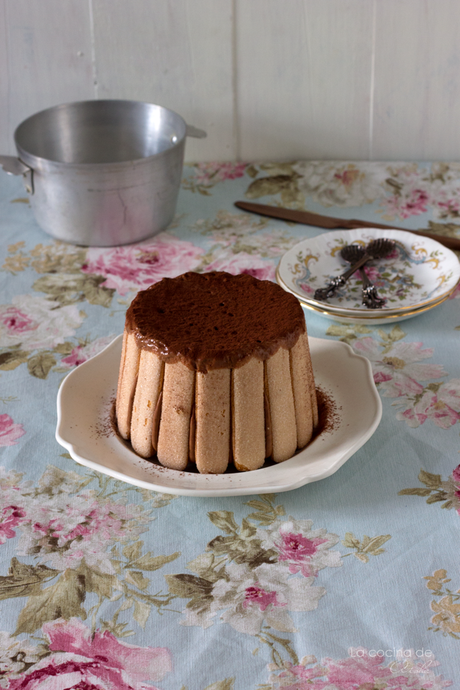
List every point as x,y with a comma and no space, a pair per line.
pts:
349,582
300,548
35,322
78,659
273,575
244,263
210,173
81,353
401,371
63,530
362,670
456,481
135,267
10,432
11,516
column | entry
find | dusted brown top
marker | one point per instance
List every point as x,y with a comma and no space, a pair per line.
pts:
215,320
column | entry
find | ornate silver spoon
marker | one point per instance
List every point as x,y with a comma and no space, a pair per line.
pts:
353,253
377,249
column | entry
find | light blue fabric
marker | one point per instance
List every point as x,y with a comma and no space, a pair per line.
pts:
243,592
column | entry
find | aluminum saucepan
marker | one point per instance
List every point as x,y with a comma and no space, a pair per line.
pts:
103,172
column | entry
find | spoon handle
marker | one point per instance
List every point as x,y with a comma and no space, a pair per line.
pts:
370,298
336,283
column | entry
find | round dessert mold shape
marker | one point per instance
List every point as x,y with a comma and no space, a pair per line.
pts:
86,397
191,342
221,409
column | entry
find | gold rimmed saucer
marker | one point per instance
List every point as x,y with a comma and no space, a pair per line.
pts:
424,270
372,320
370,316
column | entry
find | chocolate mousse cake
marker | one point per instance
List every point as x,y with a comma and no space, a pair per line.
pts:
216,369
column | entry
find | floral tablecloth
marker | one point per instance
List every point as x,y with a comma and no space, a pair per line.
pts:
352,582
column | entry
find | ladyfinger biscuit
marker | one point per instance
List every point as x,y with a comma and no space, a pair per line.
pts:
314,400
281,401
148,387
127,384
212,412
301,383
173,436
248,427
312,386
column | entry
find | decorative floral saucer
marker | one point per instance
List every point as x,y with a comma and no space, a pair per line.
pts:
419,274
372,319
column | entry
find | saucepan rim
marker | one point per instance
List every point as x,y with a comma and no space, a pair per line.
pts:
34,160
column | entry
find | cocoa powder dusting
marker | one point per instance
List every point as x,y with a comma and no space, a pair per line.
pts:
328,413
107,424
214,320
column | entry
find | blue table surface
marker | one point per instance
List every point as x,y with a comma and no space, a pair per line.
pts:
348,583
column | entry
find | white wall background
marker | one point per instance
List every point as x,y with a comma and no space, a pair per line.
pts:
267,79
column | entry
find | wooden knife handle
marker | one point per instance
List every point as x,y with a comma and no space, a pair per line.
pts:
331,223
449,242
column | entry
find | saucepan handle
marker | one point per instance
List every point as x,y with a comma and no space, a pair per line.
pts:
195,132
15,166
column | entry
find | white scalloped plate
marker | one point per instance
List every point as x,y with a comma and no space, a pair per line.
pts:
85,401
